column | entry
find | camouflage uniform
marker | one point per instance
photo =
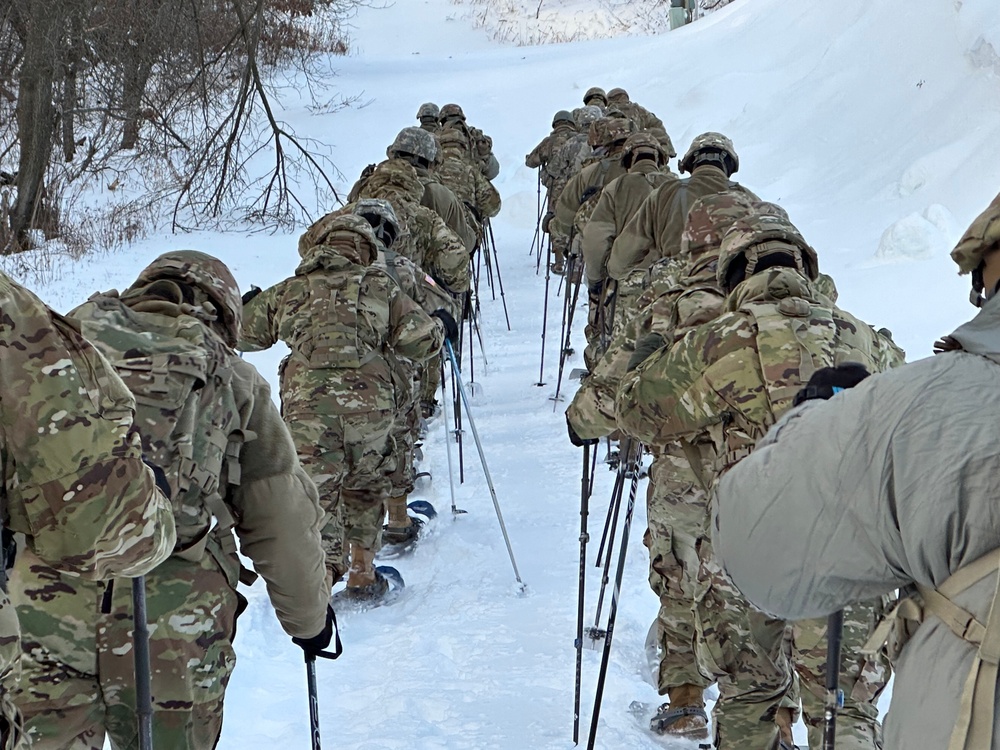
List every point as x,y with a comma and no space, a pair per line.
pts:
71,461
703,387
542,156
645,121
206,417
428,117
480,151
339,316
478,196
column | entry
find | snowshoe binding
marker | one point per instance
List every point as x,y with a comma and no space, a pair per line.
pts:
397,541
387,587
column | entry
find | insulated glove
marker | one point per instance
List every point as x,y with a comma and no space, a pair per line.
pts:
827,381
161,478
644,347
575,439
317,645
249,295
450,326
549,216
596,288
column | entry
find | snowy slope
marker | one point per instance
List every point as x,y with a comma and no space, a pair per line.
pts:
874,124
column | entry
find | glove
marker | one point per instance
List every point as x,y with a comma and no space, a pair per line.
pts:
249,295
160,477
644,347
549,216
450,326
827,381
575,439
947,344
317,645
596,288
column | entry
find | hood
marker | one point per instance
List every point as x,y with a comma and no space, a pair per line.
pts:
771,285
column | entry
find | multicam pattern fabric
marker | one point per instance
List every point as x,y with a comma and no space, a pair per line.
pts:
982,237
543,155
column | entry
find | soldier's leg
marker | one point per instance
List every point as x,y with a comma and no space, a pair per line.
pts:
192,609
862,678
745,649
626,295
399,527
430,382
592,331
58,692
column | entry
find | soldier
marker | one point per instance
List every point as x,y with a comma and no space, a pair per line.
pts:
477,194
898,491
595,97
729,380
645,161
74,482
563,127
677,300
480,144
644,119
207,417
340,317
428,116
655,230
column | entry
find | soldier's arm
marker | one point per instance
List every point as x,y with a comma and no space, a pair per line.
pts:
450,209
260,321
449,259
537,156
76,483
636,240
598,236
412,332
278,512
487,197
566,207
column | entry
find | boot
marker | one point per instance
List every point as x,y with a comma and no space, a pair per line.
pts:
363,581
684,715
401,528
784,719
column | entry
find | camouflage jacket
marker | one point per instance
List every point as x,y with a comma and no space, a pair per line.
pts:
646,120
655,229
735,376
340,318
468,185
566,162
446,204
543,155
581,188
619,201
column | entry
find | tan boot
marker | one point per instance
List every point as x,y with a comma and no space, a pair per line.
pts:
784,718
398,517
362,572
684,716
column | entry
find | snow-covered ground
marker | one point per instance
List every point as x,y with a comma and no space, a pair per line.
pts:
875,124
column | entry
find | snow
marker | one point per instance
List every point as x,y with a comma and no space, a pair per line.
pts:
874,124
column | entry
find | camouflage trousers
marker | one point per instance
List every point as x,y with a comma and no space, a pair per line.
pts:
676,513
430,378
78,682
11,725
350,457
746,651
627,295
404,433
862,678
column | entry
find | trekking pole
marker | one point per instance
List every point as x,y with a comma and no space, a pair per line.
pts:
613,611
571,300
140,638
456,374
545,314
538,210
496,261
584,538
313,701
834,696
455,511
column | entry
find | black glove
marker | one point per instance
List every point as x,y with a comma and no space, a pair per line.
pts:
450,326
644,347
249,295
827,381
160,476
549,216
575,439
596,288
317,645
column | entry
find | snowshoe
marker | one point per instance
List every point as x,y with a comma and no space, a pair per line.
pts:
400,540
386,589
684,721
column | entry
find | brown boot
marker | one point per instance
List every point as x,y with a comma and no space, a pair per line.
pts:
784,718
398,517
684,716
362,572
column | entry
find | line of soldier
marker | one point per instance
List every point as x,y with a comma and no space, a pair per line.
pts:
708,319
152,374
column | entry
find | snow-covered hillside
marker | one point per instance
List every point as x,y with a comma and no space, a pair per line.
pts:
874,124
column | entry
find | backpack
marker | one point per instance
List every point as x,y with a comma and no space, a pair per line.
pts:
180,373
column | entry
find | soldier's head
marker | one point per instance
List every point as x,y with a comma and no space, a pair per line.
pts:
200,280
564,117
977,253
617,96
595,95
584,116
451,114
453,142
713,149
708,220
382,218
350,235
396,181
642,146
428,115
414,145
761,241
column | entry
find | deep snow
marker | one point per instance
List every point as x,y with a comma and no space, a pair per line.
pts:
874,124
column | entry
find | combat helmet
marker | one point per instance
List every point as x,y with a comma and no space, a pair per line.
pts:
451,112
711,147
449,138
205,273
708,220
755,242
608,131
642,144
414,142
428,111
584,116
980,239
380,214
595,92
617,93
563,116
338,228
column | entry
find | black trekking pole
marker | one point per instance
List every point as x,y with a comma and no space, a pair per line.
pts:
834,697
496,261
313,701
571,301
584,538
613,611
457,377
455,510
140,638
538,221
545,314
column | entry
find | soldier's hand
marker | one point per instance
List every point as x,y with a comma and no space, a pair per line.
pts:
317,645
449,324
946,344
546,220
575,439
644,347
827,381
